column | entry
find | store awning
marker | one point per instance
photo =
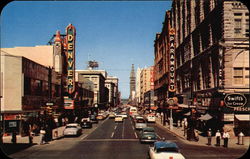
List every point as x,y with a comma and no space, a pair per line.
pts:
205,117
186,106
243,117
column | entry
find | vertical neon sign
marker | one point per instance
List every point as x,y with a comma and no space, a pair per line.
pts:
70,43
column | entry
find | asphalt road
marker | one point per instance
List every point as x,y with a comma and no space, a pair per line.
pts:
110,140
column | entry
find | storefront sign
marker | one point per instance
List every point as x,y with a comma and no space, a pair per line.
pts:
235,100
68,103
70,42
221,71
171,86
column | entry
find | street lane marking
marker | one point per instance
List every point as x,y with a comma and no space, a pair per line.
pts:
112,135
84,136
115,127
136,135
158,136
98,140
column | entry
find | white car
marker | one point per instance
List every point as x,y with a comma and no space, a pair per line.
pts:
151,118
118,118
163,150
73,129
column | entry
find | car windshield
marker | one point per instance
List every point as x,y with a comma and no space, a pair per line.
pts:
71,126
168,149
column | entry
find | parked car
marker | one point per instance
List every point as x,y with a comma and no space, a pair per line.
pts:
163,149
151,118
86,124
72,129
118,118
93,119
148,135
140,123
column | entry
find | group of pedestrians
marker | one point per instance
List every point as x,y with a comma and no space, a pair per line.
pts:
218,135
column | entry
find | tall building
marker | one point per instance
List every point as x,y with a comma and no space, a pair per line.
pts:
132,85
212,57
138,86
98,78
147,87
114,81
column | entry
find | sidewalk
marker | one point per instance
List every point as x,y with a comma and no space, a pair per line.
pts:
21,143
232,143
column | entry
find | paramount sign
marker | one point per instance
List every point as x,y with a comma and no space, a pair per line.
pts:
70,41
171,87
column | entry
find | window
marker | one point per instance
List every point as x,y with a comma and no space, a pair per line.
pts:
237,23
237,14
238,75
27,86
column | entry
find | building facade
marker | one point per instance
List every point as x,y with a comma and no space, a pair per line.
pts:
138,86
147,87
132,86
98,78
212,56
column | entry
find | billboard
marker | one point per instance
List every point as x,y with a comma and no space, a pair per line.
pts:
70,48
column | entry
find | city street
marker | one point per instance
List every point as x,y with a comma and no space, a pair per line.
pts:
117,140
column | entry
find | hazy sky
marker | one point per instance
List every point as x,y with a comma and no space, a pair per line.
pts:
114,33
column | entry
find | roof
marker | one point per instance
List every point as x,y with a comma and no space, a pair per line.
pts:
243,117
205,117
165,144
148,129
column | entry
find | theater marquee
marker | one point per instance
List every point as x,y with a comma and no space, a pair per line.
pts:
171,86
70,45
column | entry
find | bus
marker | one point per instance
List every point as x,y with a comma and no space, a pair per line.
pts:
133,111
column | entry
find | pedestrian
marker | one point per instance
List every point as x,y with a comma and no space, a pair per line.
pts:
209,136
196,134
226,137
185,126
13,137
42,136
218,137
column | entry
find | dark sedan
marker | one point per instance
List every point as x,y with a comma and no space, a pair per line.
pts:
86,124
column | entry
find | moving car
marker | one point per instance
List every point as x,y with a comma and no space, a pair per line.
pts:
123,114
86,124
73,129
164,149
93,119
111,115
148,135
118,118
151,118
140,123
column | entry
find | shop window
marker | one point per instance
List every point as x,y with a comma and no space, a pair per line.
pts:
238,75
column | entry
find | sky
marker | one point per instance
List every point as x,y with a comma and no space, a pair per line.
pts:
117,34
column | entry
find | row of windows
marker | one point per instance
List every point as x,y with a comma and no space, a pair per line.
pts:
241,75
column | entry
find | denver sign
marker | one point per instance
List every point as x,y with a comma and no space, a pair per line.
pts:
171,86
235,100
70,42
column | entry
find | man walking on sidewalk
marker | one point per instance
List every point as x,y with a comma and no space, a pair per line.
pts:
218,137
226,137
209,136
42,136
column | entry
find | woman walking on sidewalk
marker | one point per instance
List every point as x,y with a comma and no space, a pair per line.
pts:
209,136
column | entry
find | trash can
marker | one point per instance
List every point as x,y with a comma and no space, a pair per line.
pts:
241,139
